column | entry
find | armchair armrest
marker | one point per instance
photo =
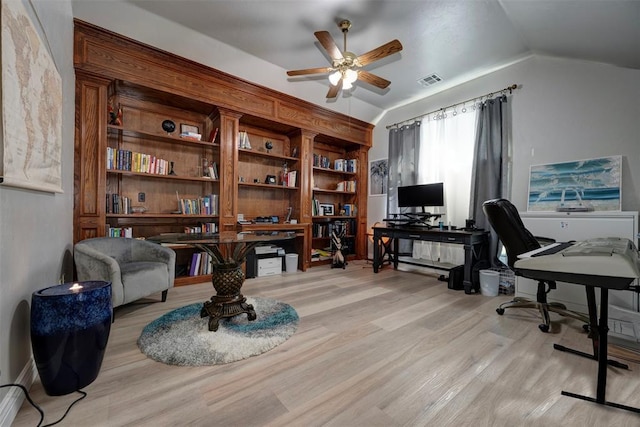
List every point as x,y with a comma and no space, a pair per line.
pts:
94,265
149,251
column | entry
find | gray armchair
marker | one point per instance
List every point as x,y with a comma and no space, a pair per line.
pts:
135,268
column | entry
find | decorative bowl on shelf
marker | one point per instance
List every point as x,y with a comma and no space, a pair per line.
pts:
138,209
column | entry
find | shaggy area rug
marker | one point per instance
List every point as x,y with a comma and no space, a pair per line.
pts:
182,337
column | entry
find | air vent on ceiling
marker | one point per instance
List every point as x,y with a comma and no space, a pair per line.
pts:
430,80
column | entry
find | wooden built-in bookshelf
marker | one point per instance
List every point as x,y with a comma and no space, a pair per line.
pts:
149,86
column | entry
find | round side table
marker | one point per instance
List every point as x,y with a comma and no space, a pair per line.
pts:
70,327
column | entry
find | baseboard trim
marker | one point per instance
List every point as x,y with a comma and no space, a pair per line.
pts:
12,401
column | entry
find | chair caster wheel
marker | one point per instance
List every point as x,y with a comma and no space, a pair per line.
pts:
586,328
543,327
500,311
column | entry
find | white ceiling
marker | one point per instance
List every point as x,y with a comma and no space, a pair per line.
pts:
456,39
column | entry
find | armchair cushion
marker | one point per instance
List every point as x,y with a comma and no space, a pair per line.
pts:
135,268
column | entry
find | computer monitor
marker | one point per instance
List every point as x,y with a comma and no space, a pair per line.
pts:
421,196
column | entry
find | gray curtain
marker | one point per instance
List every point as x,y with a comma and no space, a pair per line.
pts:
489,178
404,151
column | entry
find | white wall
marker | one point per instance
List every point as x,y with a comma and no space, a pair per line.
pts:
563,110
36,227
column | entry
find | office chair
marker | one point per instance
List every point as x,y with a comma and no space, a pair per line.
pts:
516,239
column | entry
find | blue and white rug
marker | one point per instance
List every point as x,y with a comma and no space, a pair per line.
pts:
182,337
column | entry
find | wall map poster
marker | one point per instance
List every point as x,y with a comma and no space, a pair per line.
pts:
580,185
31,146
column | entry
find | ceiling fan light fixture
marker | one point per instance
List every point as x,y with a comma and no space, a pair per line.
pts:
346,84
335,77
350,76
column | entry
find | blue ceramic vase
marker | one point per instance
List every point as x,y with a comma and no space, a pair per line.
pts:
70,327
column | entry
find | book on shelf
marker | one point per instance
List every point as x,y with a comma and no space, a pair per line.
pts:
339,165
131,161
291,178
213,134
352,165
349,186
191,135
194,268
213,170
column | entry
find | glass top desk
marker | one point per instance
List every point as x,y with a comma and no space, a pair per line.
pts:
228,250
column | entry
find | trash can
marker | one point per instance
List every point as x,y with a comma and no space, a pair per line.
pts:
291,262
489,282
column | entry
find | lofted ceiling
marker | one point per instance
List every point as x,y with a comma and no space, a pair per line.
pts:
455,39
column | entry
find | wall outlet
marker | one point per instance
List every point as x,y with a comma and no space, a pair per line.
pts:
141,197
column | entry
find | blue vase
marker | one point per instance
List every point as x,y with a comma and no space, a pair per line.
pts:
70,327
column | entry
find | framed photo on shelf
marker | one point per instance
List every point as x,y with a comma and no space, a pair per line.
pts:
185,128
327,209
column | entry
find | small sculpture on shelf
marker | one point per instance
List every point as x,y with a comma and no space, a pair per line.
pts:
168,126
115,117
268,145
171,171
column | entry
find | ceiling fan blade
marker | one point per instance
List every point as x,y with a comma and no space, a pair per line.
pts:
333,90
329,45
380,52
309,71
372,79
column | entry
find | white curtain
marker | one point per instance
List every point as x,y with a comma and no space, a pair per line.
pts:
446,155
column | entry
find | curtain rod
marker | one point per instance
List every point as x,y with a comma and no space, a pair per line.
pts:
488,95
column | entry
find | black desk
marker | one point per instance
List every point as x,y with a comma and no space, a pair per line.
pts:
475,246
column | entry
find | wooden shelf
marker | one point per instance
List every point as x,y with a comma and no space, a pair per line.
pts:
158,176
333,171
263,154
192,280
161,138
320,190
269,186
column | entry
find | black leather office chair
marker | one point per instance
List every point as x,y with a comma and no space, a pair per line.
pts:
506,222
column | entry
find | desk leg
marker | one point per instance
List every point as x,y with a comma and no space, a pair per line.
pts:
603,332
467,281
376,252
594,333
396,245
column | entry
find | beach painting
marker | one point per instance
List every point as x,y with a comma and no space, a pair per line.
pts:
580,186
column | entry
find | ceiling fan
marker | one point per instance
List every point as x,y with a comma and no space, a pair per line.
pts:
346,66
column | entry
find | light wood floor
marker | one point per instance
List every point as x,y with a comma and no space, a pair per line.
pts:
391,349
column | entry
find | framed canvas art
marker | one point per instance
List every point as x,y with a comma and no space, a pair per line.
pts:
579,186
378,176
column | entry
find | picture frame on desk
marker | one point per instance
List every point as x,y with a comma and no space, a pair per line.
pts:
327,209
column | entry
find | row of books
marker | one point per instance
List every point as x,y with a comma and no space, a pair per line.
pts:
117,204
320,254
349,186
350,209
341,228
204,227
206,205
125,160
200,264
345,165
341,165
119,231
